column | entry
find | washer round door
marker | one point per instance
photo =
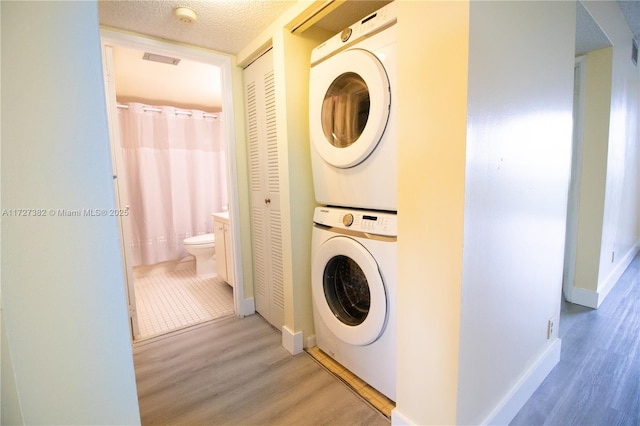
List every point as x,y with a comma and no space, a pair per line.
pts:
349,105
348,291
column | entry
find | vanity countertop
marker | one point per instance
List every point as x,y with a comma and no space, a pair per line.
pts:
222,216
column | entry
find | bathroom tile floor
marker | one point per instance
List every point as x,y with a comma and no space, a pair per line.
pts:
173,300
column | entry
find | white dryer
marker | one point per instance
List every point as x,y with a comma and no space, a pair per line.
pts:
352,115
354,255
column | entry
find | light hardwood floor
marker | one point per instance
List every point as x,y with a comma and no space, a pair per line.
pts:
235,372
597,381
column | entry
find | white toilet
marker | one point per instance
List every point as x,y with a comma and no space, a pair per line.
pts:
202,247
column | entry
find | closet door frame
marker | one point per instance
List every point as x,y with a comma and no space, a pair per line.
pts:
265,188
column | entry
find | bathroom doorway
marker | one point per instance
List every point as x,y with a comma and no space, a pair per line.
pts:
587,176
164,291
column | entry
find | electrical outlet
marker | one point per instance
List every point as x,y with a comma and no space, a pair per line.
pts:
549,329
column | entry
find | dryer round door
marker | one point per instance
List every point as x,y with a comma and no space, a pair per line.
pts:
348,291
349,107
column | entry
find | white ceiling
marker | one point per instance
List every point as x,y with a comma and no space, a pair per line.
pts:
590,37
222,25
230,25
631,11
187,85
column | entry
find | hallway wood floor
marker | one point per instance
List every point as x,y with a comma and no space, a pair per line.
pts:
597,381
235,371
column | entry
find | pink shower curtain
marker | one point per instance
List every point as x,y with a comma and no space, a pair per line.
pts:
175,174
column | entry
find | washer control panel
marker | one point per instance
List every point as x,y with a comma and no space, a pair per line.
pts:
372,222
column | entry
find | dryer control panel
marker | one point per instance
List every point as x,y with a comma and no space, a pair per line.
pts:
374,22
367,221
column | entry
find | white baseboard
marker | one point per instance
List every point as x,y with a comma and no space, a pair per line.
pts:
593,299
515,399
616,273
310,341
399,419
248,307
584,297
292,341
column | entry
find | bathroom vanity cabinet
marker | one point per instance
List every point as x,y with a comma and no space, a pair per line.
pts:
224,254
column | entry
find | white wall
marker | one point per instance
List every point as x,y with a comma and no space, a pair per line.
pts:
65,324
432,115
2,330
608,231
622,200
521,60
495,160
292,56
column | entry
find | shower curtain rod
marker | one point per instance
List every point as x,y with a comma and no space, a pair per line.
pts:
177,112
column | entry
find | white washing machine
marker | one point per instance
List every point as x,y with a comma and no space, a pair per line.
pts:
352,115
354,254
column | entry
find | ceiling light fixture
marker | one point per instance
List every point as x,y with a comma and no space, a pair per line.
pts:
186,15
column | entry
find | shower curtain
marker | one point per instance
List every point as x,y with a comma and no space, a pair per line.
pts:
175,177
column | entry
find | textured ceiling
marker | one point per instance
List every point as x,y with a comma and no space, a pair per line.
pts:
631,11
230,25
589,36
223,25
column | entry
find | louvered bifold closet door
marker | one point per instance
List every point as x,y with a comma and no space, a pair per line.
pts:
264,182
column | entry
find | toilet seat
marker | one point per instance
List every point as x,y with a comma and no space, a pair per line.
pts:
200,240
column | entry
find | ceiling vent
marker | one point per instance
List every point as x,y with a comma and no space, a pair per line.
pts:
159,58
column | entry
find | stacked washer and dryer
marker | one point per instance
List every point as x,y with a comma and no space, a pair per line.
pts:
354,161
